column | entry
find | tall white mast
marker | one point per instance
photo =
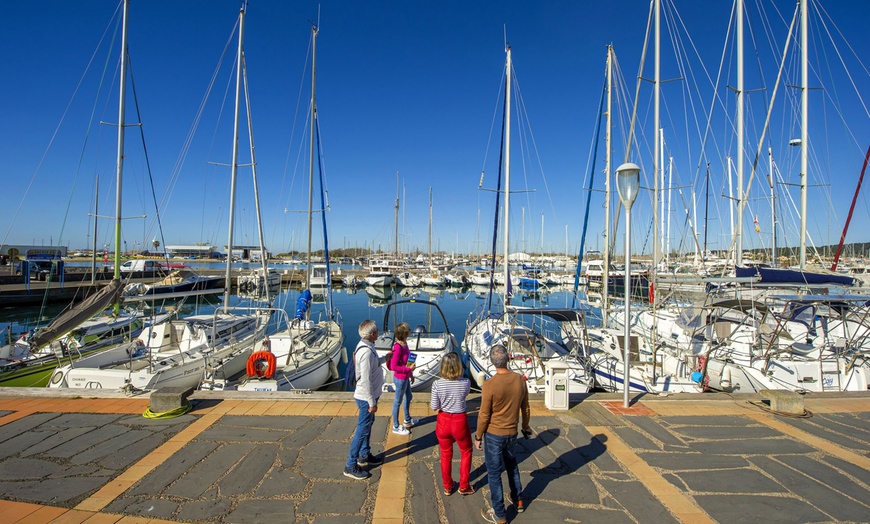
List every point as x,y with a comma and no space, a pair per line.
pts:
607,159
235,162
740,130
122,111
804,129
772,207
312,132
656,153
507,173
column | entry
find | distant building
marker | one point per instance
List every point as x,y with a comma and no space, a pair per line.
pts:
197,250
251,253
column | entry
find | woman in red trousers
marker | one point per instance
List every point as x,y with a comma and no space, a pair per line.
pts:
448,399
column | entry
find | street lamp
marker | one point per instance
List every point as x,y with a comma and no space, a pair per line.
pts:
627,184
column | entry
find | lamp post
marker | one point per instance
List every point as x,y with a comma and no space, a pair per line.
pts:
627,184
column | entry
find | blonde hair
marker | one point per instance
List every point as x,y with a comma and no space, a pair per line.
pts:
402,331
451,366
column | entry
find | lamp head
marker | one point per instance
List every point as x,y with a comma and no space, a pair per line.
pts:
628,183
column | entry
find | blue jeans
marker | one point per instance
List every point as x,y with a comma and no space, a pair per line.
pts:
499,456
403,397
360,445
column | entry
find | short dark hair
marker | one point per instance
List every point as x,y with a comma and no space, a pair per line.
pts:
498,355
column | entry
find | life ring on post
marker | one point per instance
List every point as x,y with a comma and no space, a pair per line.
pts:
254,367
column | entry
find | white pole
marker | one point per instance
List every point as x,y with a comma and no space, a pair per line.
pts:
670,189
804,130
626,373
731,203
740,130
507,173
605,302
234,169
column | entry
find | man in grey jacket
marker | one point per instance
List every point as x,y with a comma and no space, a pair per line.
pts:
369,384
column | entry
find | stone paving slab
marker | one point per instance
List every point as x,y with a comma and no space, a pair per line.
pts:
240,467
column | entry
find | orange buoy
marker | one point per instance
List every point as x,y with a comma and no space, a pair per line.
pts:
254,369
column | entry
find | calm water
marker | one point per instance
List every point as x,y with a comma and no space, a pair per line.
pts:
354,305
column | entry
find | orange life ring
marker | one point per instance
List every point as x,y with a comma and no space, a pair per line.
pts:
255,370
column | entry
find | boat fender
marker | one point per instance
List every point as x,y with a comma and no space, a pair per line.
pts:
333,370
725,380
254,369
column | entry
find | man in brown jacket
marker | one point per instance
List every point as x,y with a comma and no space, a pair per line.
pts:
503,398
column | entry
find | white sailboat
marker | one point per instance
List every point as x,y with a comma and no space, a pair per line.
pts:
304,355
175,353
531,336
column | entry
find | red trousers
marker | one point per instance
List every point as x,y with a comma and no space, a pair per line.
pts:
451,427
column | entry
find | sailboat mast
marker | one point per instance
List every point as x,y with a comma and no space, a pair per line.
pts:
396,242
656,153
605,303
507,176
772,207
234,169
311,150
740,131
430,227
122,111
264,259
804,130
94,249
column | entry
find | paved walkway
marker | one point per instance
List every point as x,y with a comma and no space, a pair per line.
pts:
714,458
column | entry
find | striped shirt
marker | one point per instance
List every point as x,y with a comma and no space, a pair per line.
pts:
449,395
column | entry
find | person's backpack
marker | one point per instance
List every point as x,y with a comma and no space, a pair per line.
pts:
350,376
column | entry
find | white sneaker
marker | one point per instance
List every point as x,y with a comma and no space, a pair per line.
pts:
411,423
399,430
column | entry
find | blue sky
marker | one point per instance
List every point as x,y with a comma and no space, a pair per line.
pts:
413,88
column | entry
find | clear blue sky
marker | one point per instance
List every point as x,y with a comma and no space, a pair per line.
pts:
411,87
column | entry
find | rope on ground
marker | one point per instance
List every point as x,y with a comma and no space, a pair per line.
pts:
177,412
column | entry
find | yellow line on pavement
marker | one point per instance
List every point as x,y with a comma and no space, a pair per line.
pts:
683,507
814,441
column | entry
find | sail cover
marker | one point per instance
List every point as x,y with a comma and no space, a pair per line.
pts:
79,313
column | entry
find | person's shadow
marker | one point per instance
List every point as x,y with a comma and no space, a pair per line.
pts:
565,464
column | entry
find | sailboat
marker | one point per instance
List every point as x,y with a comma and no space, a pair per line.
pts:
532,336
174,353
305,355
77,332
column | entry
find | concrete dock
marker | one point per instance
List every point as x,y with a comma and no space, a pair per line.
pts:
701,458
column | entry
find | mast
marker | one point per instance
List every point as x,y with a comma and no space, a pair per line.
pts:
122,111
396,243
772,206
94,250
804,130
707,209
740,130
605,303
507,175
656,153
234,169
263,256
430,228
311,150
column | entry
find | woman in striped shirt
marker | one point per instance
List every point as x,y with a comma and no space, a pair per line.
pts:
448,399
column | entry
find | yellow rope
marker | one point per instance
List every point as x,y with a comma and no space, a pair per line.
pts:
177,412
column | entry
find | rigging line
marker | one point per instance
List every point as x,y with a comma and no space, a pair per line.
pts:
501,153
491,129
848,75
60,124
752,172
821,10
147,159
589,193
292,134
521,109
188,140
